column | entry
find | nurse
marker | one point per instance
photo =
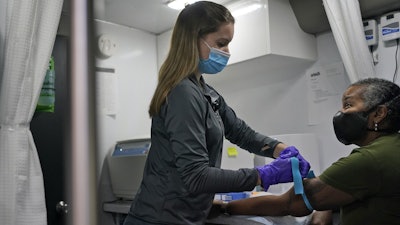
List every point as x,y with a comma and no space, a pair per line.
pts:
190,120
364,185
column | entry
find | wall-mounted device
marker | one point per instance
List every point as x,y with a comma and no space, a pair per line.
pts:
106,46
390,26
371,32
126,165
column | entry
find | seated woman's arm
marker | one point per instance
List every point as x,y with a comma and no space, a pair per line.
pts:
320,195
269,205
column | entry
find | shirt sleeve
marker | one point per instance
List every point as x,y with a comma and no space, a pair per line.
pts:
355,174
185,124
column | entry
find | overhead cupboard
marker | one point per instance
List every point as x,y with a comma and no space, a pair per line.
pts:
270,30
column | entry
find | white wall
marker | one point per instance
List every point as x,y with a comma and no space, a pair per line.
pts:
331,148
386,51
135,67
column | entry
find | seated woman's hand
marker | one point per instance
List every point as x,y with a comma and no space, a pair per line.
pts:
217,208
321,218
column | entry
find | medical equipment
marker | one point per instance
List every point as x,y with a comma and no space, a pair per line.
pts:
390,24
371,32
126,164
226,197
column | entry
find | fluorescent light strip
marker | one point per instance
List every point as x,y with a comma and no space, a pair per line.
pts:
238,8
180,4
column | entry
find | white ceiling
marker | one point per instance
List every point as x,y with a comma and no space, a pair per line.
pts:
153,16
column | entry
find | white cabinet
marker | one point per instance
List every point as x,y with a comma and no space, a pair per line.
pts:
271,30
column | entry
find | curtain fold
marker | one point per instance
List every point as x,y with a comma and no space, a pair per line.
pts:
27,35
347,27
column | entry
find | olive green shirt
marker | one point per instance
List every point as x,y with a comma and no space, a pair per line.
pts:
371,174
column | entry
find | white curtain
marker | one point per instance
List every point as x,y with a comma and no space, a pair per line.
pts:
28,30
346,24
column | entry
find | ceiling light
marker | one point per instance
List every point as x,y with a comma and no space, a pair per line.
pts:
244,7
180,4
237,8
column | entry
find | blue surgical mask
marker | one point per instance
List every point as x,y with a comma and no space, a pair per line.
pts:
216,62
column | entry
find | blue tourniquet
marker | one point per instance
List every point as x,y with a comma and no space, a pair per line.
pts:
298,181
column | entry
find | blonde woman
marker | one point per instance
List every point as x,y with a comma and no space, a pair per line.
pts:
189,123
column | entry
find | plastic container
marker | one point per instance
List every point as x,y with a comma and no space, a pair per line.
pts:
226,197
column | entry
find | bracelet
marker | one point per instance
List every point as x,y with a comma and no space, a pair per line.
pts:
224,209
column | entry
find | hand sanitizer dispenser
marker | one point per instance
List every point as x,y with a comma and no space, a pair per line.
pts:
371,32
126,165
390,24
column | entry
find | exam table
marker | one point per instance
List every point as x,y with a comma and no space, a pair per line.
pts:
257,220
121,208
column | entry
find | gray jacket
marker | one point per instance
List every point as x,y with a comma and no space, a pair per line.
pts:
182,171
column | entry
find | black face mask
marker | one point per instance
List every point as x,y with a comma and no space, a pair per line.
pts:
350,127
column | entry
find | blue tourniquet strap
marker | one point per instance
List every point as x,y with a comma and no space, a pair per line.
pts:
298,181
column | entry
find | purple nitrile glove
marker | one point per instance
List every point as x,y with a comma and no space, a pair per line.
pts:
292,151
280,170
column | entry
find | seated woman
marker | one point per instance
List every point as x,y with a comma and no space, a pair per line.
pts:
366,184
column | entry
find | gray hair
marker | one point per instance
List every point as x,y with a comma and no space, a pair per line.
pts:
382,92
